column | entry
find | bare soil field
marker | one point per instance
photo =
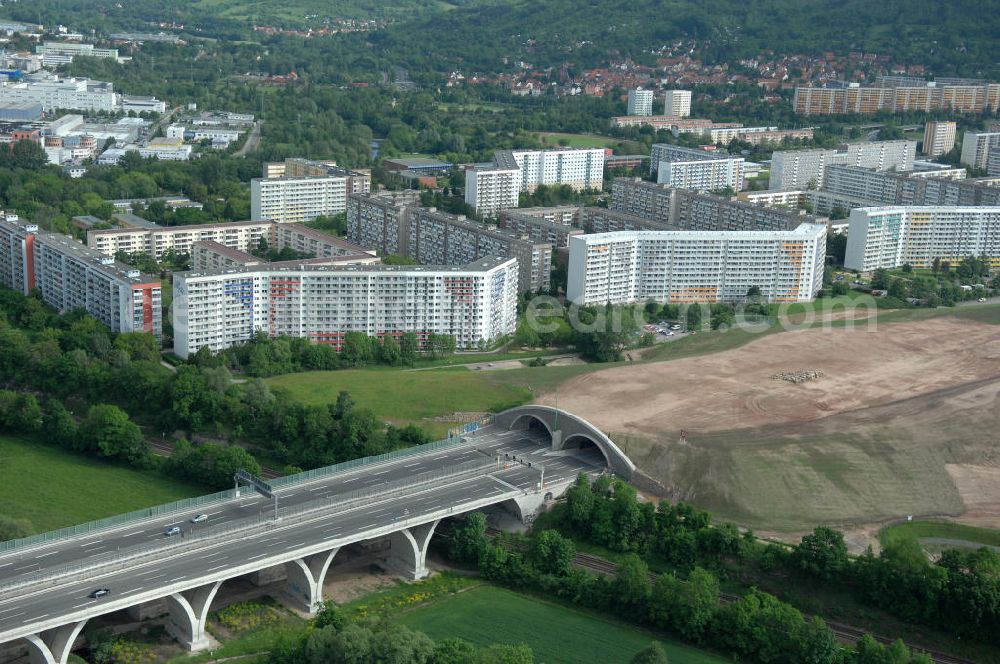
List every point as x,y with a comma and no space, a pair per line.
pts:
873,438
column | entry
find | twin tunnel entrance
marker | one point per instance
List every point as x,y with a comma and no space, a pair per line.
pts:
564,431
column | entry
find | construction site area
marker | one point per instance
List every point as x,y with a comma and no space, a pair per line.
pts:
851,427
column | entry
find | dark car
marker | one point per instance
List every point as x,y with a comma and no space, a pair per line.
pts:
99,593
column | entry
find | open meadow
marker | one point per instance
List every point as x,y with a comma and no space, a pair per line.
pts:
557,634
52,488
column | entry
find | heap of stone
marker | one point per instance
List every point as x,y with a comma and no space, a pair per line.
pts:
798,376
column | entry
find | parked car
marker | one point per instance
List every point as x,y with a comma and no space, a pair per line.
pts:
172,530
982,299
200,518
99,593
675,327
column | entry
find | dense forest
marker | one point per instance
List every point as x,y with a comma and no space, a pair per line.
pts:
954,38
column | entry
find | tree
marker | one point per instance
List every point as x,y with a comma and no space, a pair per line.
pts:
58,425
108,430
357,349
822,554
350,645
408,348
389,351
551,553
398,644
454,651
580,502
440,345
753,293
694,317
468,539
507,653
651,654
907,268
631,584
330,616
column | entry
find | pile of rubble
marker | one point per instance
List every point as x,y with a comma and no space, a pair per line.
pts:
798,376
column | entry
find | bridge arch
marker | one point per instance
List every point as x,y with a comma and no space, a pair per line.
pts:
567,430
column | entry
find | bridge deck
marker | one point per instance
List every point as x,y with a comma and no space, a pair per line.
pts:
36,609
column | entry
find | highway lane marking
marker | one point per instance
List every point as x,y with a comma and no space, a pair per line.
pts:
50,553
10,609
44,615
134,532
353,479
92,543
25,567
256,557
382,473
180,578
212,569
5,564
152,571
84,604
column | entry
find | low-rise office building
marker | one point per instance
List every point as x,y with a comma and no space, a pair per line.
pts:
696,266
69,275
888,237
474,303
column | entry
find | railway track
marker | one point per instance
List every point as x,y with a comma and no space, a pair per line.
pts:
847,634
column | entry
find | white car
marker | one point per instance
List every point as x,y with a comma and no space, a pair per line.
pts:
172,530
200,518
982,299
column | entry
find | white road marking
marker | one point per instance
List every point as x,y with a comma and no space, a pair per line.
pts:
92,543
79,605
44,615
212,569
256,557
50,553
5,564
134,532
180,578
10,609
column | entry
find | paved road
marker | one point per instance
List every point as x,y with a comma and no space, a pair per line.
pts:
77,549
253,140
69,598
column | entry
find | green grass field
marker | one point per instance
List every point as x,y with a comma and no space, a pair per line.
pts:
53,488
941,530
556,634
405,397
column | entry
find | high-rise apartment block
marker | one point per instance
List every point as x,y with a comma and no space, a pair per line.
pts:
70,276
398,225
300,190
491,189
926,97
804,169
579,168
243,236
939,138
702,169
688,210
976,147
475,303
677,103
871,188
888,237
640,102
696,266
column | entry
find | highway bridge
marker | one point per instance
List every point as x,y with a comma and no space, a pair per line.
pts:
518,459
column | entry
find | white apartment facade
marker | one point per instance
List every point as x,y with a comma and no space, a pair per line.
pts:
242,236
492,189
888,237
698,169
805,169
291,199
70,276
640,102
475,303
677,103
579,168
65,93
696,266
939,138
976,147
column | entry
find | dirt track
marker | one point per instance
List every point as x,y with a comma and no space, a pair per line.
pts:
904,420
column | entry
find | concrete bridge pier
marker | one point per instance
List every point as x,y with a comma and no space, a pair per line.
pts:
188,612
53,646
408,549
305,576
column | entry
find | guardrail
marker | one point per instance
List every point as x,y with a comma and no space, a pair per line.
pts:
277,483
247,527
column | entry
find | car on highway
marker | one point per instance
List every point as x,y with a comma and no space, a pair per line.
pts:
172,530
98,593
199,518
